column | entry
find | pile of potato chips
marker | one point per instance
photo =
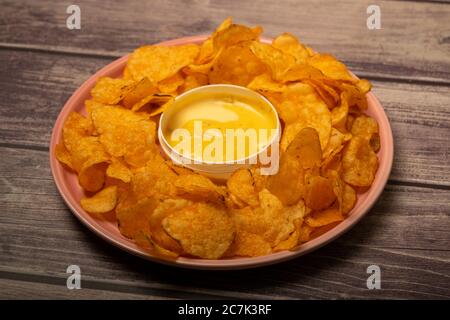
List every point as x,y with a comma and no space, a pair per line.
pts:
328,148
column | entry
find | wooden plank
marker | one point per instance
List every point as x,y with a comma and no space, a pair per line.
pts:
35,86
401,48
406,234
24,290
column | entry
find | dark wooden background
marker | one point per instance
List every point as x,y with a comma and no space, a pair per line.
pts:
406,233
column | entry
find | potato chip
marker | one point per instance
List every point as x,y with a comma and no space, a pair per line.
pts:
158,233
264,83
269,220
236,65
193,80
248,244
88,149
63,155
75,127
203,230
312,112
306,148
119,170
367,128
288,183
276,60
133,215
324,217
242,186
330,67
122,132
233,35
140,91
102,202
287,43
198,188
111,91
171,84
293,239
319,193
160,62
348,199
305,233
359,163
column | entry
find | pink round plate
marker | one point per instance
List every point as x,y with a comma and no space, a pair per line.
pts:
107,228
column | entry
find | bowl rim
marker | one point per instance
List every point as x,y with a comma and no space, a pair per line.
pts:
57,169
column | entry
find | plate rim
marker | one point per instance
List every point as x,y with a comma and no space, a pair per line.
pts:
220,264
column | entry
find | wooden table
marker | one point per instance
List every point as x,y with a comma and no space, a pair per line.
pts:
406,233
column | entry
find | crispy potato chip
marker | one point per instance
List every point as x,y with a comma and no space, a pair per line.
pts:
293,239
203,230
319,193
331,67
327,93
312,112
306,148
63,155
123,132
241,185
140,91
88,149
324,217
348,199
193,80
133,215
288,184
233,35
236,65
111,91
335,144
75,127
269,220
359,163
158,233
102,202
276,60
367,128
289,44
160,62
248,244
119,170
92,174
198,188
171,84
264,83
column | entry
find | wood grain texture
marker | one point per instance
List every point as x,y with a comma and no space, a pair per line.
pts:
406,233
32,99
413,42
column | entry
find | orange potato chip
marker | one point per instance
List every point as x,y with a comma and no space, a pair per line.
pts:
236,65
248,244
330,67
312,112
198,188
277,61
202,229
324,217
269,220
75,127
140,91
241,185
171,84
160,62
102,202
287,43
306,148
367,128
63,155
119,170
319,193
359,163
111,91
